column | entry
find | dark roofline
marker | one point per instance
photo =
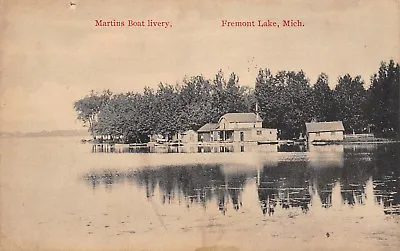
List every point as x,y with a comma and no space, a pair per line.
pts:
216,125
258,118
333,130
330,126
237,129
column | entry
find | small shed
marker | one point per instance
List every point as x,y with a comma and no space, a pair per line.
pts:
325,131
189,136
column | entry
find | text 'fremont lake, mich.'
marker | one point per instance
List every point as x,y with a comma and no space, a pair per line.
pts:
223,23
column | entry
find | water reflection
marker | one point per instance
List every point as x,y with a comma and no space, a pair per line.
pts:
286,185
216,148
326,177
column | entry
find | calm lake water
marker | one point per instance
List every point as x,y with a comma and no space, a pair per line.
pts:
58,193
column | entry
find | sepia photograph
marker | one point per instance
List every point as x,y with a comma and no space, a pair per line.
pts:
199,125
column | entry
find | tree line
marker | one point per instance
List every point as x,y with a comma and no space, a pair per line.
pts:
286,100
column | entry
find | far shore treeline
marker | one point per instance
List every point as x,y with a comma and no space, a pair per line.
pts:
286,101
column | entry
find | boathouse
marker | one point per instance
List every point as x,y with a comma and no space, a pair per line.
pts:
237,127
325,131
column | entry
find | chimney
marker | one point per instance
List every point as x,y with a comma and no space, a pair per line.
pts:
257,113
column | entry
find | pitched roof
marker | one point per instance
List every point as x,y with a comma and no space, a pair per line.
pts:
189,131
242,117
324,126
208,127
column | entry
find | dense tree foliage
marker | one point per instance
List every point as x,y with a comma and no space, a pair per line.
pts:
383,99
323,100
89,107
167,110
350,99
286,101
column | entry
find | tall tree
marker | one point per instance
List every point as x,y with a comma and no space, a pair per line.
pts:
350,97
249,99
298,106
285,101
218,97
266,96
89,107
383,99
195,97
113,118
323,99
167,107
150,116
235,101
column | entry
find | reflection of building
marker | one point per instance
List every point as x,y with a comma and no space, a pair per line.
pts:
237,127
246,147
326,156
284,184
325,179
325,131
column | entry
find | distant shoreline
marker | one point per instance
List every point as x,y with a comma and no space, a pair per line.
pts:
55,133
370,142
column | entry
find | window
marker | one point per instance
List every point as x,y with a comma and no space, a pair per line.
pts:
259,132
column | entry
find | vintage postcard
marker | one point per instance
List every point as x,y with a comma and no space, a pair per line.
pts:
199,125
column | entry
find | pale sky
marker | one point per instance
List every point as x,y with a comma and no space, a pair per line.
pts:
53,54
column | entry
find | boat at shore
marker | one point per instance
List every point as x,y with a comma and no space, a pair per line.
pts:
320,143
269,142
326,142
